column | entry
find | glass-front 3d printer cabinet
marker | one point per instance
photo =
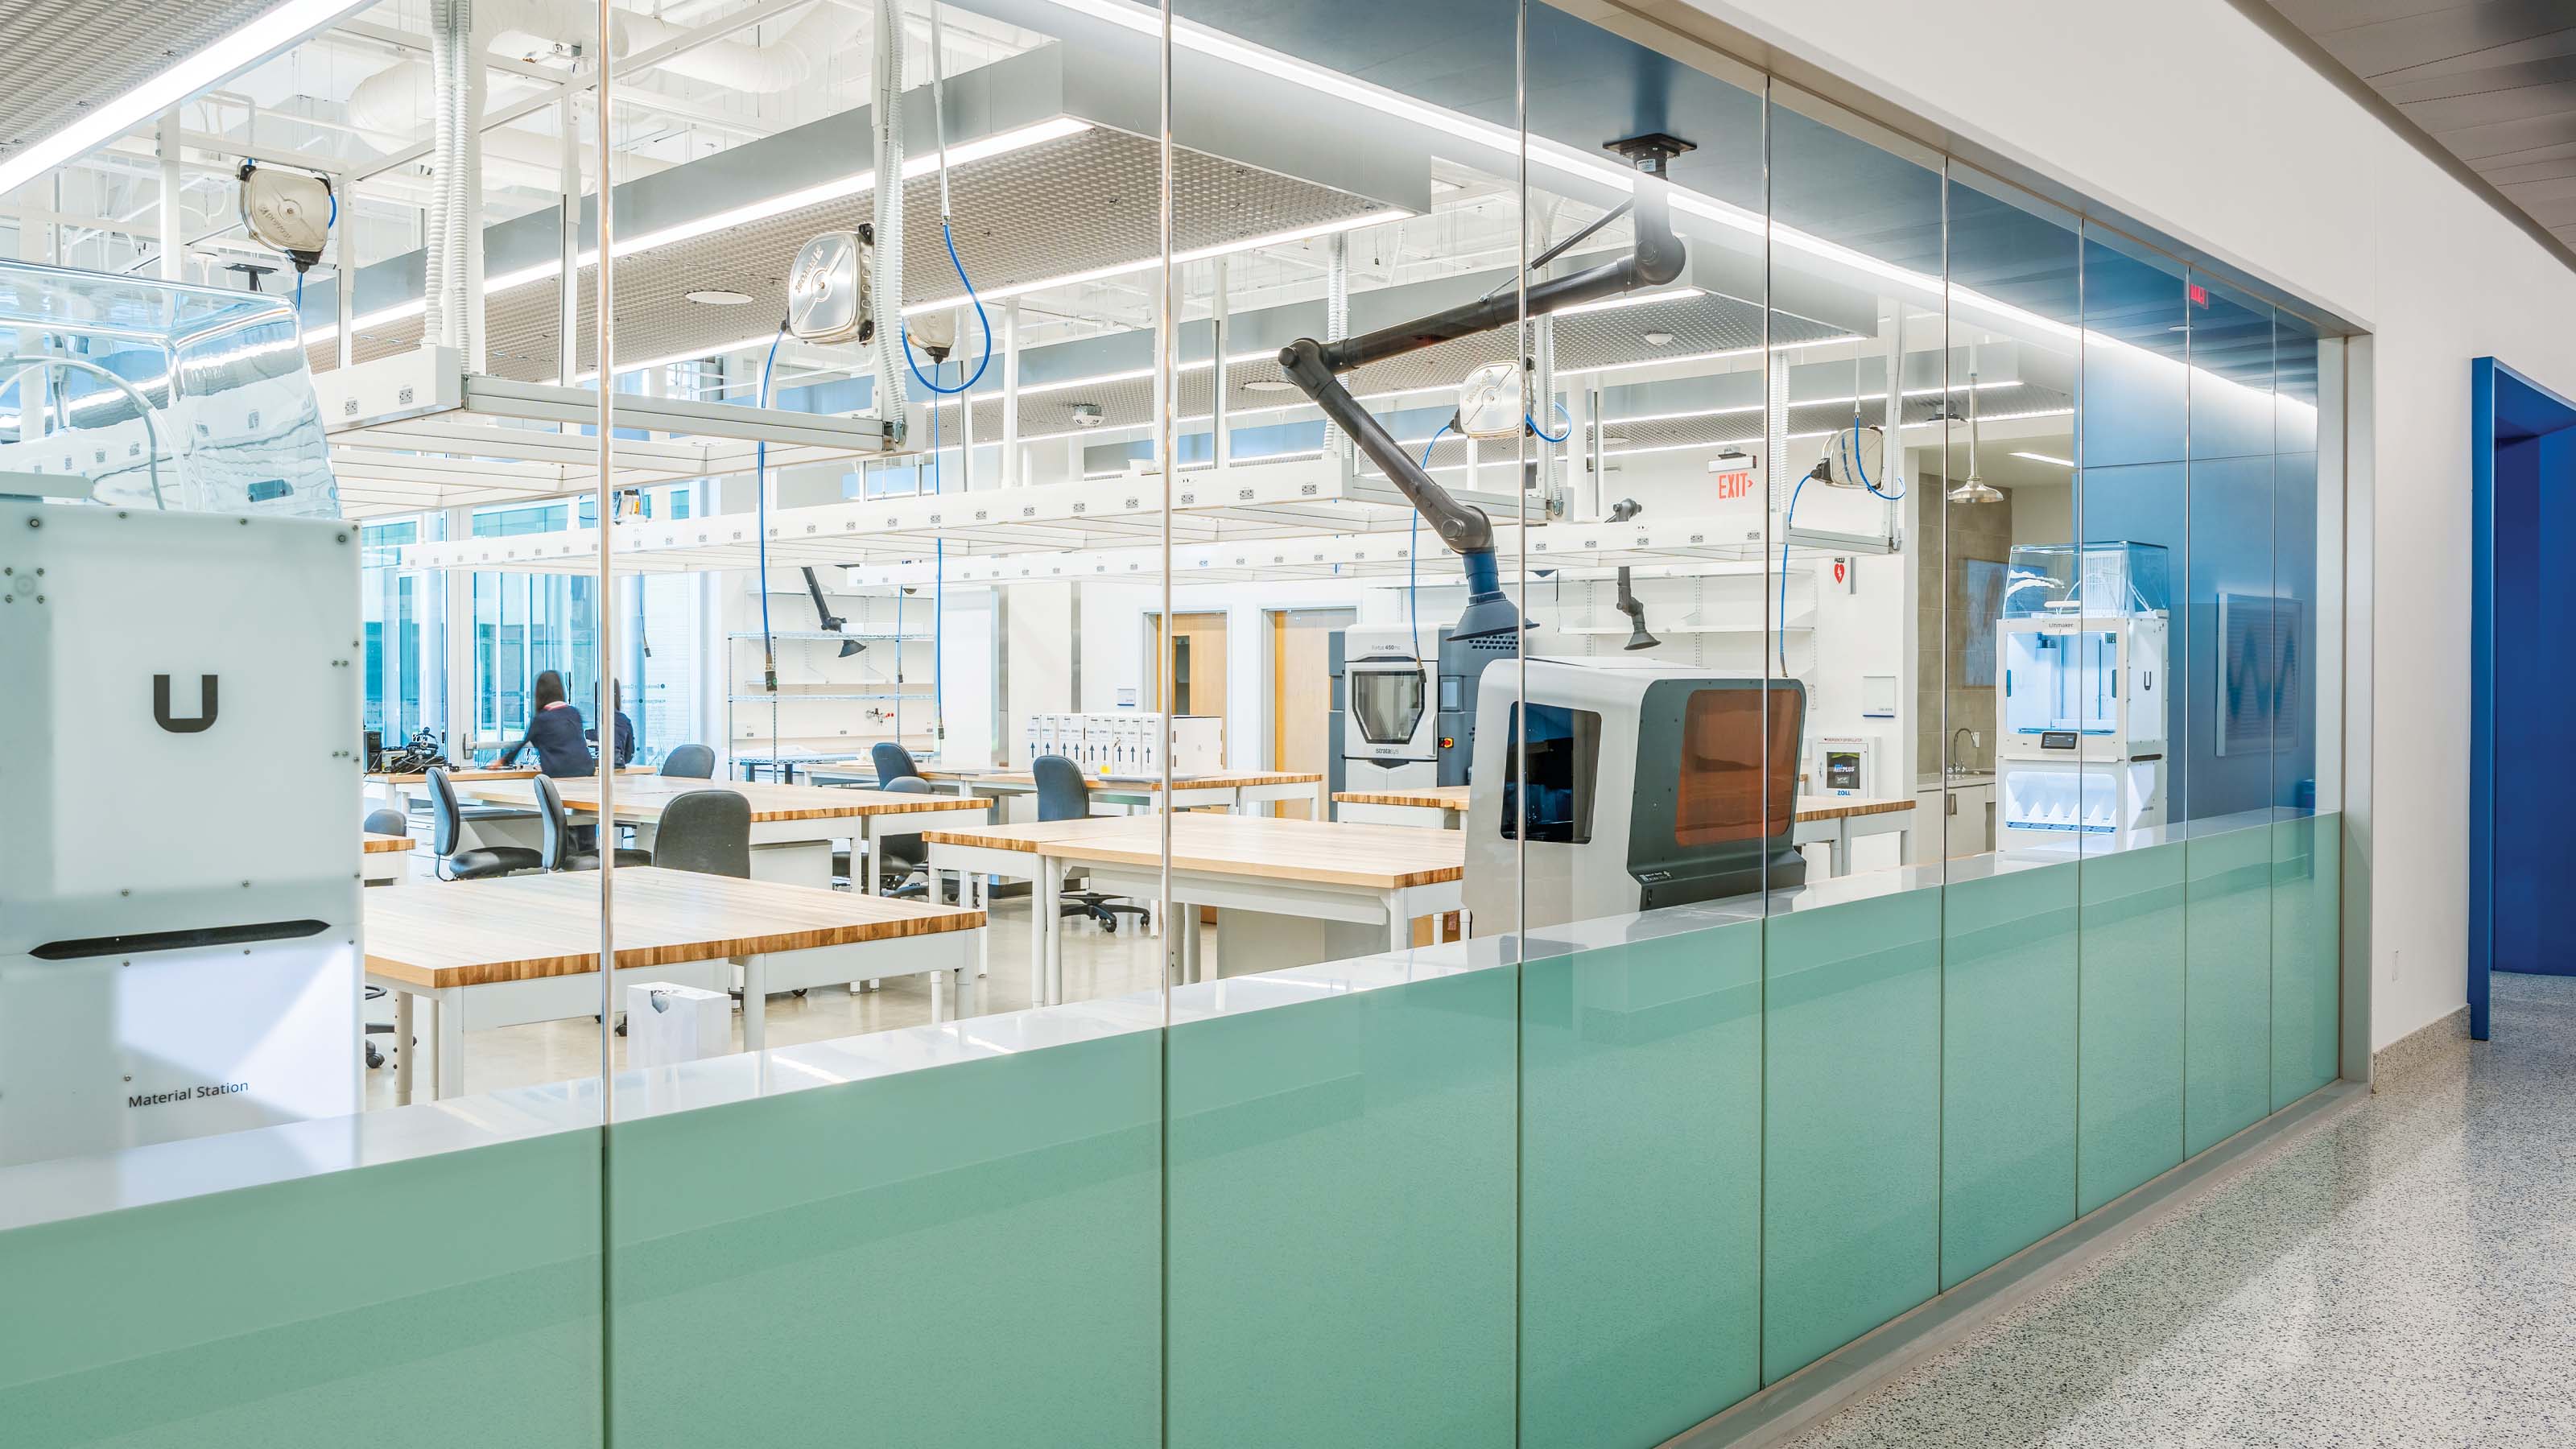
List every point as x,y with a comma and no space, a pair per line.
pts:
2081,691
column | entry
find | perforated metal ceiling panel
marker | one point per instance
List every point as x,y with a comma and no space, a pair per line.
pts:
65,56
1086,201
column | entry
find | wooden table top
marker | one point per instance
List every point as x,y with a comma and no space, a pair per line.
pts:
1376,857
1839,807
370,843
460,777
1454,797
523,927
1212,780
644,800
1426,797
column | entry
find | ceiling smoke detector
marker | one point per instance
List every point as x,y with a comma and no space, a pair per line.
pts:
1086,415
1659,339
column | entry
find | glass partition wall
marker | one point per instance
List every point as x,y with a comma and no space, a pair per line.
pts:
1416,718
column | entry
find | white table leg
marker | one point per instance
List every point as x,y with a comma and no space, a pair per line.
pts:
967,994
1055,937
943,986
1042,907
1840,851
1193,944
1399,926
977,892
755,1002
449,1078
402,1047
867,842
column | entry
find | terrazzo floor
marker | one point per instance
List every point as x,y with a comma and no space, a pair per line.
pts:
2406,1277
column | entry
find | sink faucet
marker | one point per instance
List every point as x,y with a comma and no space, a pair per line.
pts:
1950,760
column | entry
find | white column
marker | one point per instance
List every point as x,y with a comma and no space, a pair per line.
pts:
344,260
1011,468
174,229
1337,325
1220,340
568,237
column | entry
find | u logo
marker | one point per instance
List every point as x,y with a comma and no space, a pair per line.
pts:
161,705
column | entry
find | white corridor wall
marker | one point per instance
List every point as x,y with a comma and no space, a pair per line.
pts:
2187,115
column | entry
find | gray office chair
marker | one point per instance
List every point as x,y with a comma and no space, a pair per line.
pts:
447,839
708,831
561,852
692,762
387,821
1064,795
893,762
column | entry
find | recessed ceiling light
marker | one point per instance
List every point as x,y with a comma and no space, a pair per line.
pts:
1614,441
1659,339
1270,384
718,297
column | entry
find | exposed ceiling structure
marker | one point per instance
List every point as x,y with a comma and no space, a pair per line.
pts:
2493,81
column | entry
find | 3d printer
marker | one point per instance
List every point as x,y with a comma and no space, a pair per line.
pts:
2080,690
181,624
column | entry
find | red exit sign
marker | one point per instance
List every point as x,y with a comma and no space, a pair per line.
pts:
1734,485
2199,294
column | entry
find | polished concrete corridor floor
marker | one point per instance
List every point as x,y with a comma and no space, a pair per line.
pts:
2404,1277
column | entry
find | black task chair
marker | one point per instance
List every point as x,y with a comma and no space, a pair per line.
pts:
388,821
447,839
1064,795
691,762
561,852
707,831
893,762
899,857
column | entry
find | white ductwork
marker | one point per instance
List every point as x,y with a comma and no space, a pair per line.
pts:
456,213
388,101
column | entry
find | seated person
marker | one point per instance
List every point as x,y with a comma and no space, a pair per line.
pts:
624,735
555,731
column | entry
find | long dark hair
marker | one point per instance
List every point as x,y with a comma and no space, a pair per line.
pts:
549,688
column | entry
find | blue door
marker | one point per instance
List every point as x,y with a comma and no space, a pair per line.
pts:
2523,457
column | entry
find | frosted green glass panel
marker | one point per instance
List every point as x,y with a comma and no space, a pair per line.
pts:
2307,987
444,1300
1641,1199
1851,1113
964,1254
2227,1001
1341,1199
2131,1034
2008,1020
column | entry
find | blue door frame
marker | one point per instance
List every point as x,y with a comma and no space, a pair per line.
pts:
2523,468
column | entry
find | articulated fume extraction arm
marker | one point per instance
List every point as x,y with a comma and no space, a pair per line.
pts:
1315,368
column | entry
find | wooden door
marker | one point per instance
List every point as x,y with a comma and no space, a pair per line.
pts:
1196,672
1301,691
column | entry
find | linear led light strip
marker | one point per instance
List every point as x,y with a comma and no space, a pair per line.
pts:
262,38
